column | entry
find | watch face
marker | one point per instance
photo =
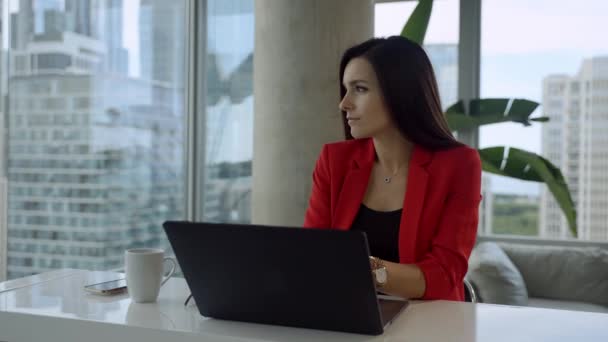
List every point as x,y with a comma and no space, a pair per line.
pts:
381,275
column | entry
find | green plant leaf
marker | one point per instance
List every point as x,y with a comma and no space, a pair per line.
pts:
459,121
520,164
517,110
490,111
415,27
457,107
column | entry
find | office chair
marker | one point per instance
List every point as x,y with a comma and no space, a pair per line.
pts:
469,292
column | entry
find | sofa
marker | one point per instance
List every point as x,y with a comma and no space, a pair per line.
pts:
558,277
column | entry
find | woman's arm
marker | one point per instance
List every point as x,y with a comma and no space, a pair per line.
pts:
441,270
404,280
318,214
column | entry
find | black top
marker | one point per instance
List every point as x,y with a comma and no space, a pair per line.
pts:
382,229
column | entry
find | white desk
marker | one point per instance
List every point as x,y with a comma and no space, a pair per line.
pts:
54,307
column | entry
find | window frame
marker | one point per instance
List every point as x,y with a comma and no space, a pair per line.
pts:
196,51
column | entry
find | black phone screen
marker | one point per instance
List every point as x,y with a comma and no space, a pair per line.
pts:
108,285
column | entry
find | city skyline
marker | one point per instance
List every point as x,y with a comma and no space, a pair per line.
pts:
95,160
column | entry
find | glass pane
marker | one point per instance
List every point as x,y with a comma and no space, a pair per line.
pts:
555,53
95,130
3,181
440,43
229,111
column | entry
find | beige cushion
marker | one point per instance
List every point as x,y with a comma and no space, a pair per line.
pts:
495,277
563,273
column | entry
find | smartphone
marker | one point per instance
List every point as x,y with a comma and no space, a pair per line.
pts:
108,287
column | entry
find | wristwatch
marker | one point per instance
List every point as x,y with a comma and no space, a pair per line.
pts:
379,271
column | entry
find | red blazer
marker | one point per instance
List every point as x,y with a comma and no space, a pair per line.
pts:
440,210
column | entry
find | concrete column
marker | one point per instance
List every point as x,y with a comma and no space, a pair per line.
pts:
298,45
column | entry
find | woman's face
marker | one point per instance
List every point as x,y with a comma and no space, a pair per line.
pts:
363,102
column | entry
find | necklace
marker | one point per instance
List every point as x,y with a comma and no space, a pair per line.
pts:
388,179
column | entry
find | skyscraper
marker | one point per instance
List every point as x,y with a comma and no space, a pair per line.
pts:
22,25
107,24
3,206
95,160
39,10
575,140
78,16
3,64
162,31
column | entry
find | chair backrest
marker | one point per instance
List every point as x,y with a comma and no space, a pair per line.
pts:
469,292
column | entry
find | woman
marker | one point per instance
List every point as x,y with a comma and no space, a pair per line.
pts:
400,176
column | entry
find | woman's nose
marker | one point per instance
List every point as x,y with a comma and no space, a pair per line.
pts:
345,104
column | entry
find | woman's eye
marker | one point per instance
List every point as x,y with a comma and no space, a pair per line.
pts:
360,89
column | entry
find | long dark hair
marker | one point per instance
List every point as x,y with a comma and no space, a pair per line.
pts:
408,85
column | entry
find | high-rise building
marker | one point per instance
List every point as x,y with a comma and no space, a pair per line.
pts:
106,24
78,16
39,10
22,25
3,83
3,234
54,22
162,30
95,159
3,207
575,140
98,19
228,188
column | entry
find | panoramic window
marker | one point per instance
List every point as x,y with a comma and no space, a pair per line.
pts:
527,51
95,146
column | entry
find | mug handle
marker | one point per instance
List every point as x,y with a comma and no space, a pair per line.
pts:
173,266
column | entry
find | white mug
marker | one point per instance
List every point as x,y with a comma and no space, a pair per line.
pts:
144,270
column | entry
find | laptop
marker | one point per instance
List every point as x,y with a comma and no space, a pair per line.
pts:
308,278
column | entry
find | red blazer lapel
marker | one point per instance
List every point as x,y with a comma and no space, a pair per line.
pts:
413,202
354,187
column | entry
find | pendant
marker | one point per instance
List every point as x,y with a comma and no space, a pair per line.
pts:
387,180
